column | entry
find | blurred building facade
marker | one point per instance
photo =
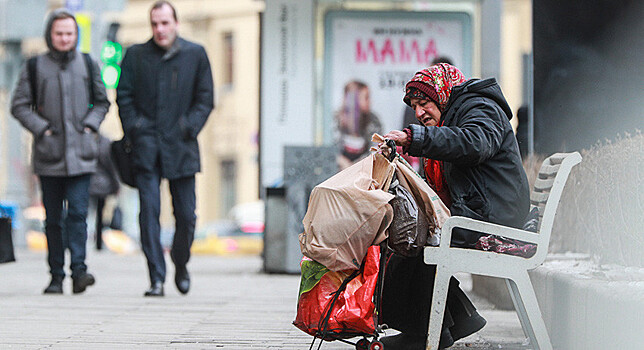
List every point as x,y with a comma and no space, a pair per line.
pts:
230,31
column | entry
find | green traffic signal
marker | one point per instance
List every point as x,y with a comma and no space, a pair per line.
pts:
110,73
111,55
111,52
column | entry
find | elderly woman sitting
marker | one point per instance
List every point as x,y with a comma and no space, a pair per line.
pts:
472,161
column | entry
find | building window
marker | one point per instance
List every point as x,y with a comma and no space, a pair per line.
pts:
229,55
228,186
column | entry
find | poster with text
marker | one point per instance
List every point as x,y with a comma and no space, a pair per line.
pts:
369,56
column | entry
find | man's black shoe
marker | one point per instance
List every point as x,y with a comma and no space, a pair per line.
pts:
156,290
182,279
81,282
55,286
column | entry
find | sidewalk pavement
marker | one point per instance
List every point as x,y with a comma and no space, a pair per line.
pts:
231,305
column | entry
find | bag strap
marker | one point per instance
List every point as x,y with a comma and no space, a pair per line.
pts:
324,322
392,145
33,81
90,73
31,74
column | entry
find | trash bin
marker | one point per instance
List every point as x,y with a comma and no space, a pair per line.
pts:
285,206
276,212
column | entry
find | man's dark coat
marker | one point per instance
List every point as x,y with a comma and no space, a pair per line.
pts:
164,99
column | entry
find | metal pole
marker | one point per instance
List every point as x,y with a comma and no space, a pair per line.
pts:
530,88
491,38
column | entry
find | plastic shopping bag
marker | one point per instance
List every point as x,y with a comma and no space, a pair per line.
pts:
338,304
410,227
425,198
511,246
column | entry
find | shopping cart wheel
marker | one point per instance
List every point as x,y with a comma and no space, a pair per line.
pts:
362,344
376,345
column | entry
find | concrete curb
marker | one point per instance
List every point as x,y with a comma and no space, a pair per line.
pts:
586,306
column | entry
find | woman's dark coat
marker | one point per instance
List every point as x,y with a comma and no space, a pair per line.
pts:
164,99
481,162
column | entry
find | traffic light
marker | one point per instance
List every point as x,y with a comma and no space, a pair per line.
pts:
111,55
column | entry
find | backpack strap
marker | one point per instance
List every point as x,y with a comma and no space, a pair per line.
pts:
31,74
90,73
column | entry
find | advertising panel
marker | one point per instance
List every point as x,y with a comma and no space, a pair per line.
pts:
287,110
369,56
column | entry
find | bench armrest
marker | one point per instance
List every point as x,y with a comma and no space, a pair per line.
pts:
485,227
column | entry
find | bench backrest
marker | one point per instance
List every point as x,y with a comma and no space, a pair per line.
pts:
547,191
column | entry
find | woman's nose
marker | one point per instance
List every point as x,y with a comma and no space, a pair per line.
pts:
419,111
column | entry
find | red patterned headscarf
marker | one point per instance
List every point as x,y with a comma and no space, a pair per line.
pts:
435,82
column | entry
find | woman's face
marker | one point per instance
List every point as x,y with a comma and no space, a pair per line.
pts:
427,111
363,100
357,98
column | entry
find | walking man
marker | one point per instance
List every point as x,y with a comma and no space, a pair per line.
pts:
61,100
165,96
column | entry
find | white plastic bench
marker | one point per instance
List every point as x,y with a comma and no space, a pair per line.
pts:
514,269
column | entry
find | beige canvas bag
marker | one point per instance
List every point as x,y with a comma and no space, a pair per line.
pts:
350,211
347,213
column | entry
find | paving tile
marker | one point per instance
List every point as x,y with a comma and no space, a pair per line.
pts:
231,305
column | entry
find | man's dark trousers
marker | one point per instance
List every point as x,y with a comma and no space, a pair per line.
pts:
55,190
184,205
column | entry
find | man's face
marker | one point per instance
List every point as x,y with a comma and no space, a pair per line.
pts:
63,34
164,26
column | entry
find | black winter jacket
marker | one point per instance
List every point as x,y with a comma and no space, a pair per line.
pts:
481,161
164,99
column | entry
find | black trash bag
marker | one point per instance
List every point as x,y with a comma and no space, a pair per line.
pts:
410,227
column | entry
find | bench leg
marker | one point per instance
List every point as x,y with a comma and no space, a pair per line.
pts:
437,311
525,303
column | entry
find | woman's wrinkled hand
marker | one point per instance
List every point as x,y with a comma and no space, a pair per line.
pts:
399,137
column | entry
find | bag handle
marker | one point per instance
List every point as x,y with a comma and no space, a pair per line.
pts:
392,145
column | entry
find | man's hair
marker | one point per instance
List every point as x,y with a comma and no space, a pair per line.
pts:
61,14
159,4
